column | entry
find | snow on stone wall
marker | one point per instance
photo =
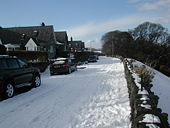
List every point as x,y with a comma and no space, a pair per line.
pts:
144,111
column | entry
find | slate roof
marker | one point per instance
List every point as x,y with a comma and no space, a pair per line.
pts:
61,36
45,33
10,37
7,36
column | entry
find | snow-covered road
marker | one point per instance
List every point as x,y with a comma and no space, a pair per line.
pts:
94,97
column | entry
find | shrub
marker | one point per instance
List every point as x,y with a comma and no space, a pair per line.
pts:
145,75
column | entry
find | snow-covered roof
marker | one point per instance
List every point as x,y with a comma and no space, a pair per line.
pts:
12,45
58,43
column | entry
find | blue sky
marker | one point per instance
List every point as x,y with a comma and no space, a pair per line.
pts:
85,20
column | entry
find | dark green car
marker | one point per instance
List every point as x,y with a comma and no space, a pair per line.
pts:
15,73
62,66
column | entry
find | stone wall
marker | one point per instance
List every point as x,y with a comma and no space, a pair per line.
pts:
143,105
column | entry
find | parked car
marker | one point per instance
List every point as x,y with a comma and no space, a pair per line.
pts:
92,58
15,73
63,65
97,56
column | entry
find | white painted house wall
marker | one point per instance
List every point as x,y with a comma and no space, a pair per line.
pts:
31,45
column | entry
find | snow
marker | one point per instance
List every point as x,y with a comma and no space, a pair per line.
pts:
145,97
147,106
152,126
92,97
59,43
59,62
144,92
60,59
137,80
150,118
161,87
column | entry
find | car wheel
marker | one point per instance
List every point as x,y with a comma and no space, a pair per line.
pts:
36,81
8,90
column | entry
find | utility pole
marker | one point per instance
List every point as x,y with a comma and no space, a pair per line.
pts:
112,47
91,45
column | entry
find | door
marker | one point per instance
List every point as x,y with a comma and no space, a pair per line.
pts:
18,73
27,71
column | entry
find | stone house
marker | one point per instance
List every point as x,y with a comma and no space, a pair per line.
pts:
76,46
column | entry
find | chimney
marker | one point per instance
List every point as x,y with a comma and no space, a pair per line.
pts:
42,24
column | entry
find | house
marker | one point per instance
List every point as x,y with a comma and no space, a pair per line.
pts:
62,40
44,34
16,41
76,46
0,42
32,45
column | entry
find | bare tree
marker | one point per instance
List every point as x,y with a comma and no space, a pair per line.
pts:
150,32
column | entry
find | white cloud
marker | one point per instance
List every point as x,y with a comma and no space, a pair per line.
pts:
156,11
158,4
93,28
160,8
97,43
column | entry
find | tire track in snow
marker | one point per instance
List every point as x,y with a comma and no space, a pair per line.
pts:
110,106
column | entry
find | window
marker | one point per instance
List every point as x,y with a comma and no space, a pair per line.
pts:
3,64
22,63
12,63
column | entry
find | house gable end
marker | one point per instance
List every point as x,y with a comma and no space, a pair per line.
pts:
31,43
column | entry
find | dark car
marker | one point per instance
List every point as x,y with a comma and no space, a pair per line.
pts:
15,73
97,57
62,66
92,58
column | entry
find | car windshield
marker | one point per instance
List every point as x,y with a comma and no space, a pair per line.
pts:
92,57
59,62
